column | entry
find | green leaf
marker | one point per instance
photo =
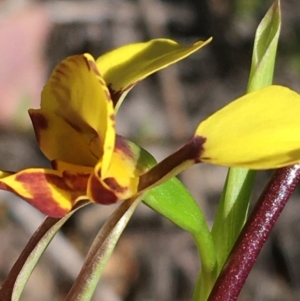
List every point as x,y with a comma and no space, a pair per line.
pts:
172,200
232,211
100,252
15,282
265,48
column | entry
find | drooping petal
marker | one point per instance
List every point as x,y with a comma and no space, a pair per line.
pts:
78,94
58,140
44,189
123,67
120,181
260,130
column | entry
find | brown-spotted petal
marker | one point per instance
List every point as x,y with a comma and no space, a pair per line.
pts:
44,189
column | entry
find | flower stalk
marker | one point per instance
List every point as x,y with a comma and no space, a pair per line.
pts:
100,251
255,233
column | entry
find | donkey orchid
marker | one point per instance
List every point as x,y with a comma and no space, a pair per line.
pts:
75,129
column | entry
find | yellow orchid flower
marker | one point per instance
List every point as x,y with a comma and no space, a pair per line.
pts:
75,129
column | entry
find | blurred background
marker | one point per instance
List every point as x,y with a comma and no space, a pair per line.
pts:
154,260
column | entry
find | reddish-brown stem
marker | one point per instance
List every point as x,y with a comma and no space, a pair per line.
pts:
255,233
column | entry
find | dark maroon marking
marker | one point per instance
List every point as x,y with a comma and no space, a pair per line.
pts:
92,66
30,178
122,146
54,164
116,94
75,59
114,185
77,128
190,151
39,120
59,72
37,185
112,117
76,181
40,179
101,194
39,123
255,233
63,68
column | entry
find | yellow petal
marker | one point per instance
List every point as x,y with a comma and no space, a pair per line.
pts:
58,140
77,93
44,189
123,67
260,130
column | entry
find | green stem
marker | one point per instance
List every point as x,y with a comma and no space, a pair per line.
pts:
100,252
207,253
